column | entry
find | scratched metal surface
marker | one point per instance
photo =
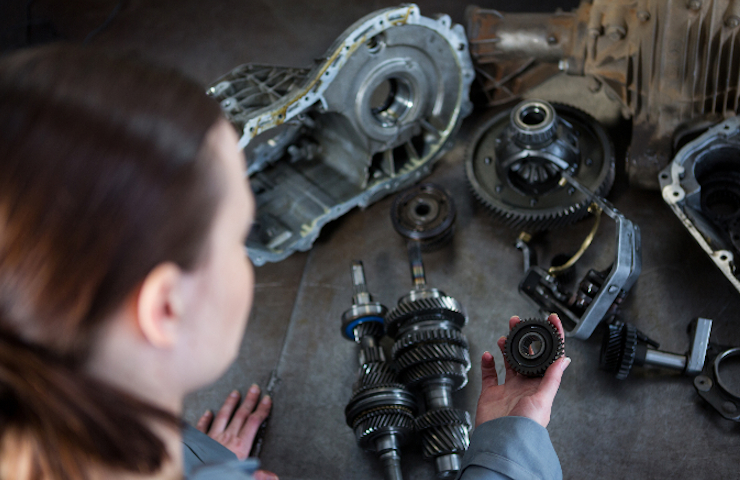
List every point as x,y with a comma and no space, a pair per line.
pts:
652,425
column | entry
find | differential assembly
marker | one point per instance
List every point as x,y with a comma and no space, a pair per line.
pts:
369,119
381,411
432,356
515,161
532,346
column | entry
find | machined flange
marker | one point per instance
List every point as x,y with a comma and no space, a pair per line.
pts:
441,308
515,160
425,214
532,346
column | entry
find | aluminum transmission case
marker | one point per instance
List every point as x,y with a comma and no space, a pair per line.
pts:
369,119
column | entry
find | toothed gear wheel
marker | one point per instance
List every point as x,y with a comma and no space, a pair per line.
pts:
432,352
426,214
431,336
442,308
372,355
381,410
511,173
417,375
618,349
375,373
370,328
444,431
532,346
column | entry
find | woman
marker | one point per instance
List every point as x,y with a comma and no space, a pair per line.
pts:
123,279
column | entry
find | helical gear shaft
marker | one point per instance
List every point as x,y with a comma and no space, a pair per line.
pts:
381,410
432,356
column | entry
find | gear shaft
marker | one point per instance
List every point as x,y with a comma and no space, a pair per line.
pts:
381,410
432,356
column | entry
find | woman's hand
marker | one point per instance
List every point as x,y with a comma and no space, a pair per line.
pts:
235,428
520,395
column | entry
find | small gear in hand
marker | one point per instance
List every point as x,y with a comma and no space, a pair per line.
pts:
532,346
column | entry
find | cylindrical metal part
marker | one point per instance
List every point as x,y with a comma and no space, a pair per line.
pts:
616,22
438,395
417,265
665,359
512,36
359,287
732,14
391,461
448,465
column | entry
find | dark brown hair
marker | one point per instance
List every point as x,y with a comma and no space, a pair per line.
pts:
103,176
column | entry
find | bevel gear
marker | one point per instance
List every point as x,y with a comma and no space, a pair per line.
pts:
515,160
532,346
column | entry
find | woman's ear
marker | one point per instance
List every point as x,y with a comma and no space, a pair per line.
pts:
159,305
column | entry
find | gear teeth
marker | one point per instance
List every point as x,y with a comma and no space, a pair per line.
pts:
372,355
619,349
538,370
375,373
534,221
358,391
425,309
431,352
418,374
444,431
388,421
432,336
372,329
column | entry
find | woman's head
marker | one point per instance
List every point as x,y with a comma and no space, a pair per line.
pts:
113,176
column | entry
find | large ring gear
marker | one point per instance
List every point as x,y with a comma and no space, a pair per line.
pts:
515,161
381,410
532,346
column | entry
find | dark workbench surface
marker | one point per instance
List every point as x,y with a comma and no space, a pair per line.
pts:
652,425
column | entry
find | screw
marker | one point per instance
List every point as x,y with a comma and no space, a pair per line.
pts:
643,15
732,21
693,4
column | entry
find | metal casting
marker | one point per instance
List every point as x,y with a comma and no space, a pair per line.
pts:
369,119
516,160
671,64
702,187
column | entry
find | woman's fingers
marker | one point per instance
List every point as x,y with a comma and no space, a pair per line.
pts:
204,421
244,410
224,414
513,321
264,475
489,376
551,381
510,373
249,430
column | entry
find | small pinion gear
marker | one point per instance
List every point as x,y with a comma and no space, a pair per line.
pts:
532,346
619,349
